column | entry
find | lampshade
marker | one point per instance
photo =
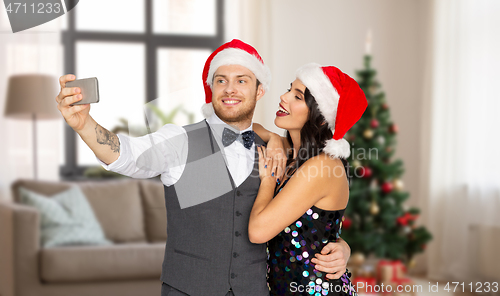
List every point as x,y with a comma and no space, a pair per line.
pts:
30,94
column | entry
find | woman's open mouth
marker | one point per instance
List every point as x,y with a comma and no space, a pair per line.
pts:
282,111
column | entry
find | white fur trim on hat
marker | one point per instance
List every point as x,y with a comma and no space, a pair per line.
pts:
320,86
207,110
337,148
235,56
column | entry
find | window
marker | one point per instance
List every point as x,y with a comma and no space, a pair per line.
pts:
142,52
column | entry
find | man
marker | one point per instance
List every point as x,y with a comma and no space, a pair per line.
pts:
210,176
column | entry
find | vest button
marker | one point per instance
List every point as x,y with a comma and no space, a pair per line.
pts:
237,233
235,255
238,213
233,275
238,193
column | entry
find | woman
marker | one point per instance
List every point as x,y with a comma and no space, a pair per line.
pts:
303,212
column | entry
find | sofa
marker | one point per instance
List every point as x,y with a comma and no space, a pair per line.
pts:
132,215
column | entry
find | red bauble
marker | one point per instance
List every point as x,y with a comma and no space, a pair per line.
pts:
385,106
394,128
374,123
365,172
387,187
346,223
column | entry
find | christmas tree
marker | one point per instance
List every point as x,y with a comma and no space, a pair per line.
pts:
377,221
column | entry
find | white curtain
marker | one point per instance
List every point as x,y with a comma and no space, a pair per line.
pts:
464,167
36,50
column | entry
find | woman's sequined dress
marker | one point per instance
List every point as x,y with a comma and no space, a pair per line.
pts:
290,271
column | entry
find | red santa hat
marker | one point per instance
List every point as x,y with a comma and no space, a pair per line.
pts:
340,100
235,52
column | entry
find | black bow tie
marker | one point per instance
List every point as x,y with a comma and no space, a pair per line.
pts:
228,137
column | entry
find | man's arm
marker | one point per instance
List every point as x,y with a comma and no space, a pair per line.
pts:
162,152
102,142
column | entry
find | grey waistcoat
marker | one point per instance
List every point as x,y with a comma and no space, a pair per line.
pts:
208,251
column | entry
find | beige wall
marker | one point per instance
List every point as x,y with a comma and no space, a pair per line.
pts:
333,32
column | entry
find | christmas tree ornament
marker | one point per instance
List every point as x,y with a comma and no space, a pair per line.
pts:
387,187
357,259
365,172
235,52
374,208
340,100
406,219
347,223
407,229
393,128
381,140
385,106
398,184
374,123
412,263
374,184
356,164
368,134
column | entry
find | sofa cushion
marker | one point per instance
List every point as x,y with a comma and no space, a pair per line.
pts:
47,188
131,261
116,204
153,198
118,207
66,218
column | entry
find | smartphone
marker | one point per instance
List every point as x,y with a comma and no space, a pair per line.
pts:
89,90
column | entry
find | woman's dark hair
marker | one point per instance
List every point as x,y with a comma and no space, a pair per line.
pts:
313,135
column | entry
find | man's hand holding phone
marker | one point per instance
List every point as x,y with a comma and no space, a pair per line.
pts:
75,115
104,144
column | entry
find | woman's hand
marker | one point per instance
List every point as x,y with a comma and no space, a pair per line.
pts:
275,150
267,166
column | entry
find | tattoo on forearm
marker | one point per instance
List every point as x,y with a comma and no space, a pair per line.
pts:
106,137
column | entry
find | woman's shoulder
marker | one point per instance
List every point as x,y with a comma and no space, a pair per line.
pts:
324,165
324,159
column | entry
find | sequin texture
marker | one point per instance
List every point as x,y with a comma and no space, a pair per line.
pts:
290,252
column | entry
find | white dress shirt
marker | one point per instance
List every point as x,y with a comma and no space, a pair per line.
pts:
165,151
